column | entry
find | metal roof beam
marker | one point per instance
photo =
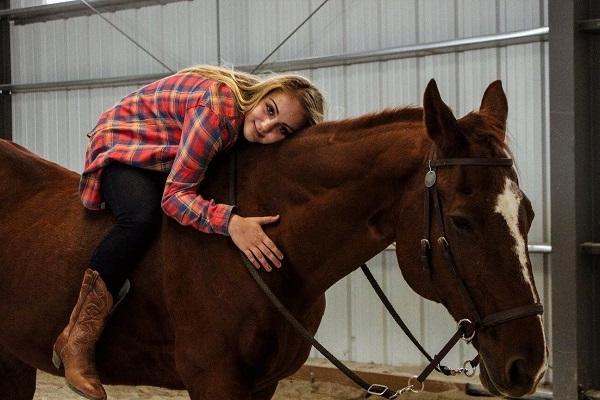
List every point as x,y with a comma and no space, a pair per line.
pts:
69,9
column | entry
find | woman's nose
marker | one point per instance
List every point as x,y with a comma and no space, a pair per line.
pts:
268,125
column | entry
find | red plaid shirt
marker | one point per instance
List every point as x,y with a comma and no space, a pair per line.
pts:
176,125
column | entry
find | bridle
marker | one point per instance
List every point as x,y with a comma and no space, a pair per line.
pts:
467,327
472,323
431,192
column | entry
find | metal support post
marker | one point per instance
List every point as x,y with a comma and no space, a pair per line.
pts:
574,116
5,100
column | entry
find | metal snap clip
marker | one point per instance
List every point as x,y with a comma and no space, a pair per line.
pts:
468,368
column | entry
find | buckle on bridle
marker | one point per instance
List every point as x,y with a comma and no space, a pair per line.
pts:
443,242
469,323
379,390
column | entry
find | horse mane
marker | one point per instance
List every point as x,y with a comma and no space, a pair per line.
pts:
387,116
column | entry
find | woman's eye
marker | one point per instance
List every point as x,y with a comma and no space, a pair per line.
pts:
284,131
270,109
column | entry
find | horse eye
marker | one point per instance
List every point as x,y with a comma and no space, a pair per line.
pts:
461,223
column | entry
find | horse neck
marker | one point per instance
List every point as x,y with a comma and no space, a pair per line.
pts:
338,195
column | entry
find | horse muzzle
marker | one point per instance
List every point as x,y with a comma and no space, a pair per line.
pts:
516,376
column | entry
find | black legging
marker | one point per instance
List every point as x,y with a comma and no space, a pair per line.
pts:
134,196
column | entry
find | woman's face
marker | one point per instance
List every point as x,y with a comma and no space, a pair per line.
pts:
277,115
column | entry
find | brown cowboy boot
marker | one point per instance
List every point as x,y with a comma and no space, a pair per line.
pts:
74,347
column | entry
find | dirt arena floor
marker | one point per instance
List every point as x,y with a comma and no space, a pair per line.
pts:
53,388
316,381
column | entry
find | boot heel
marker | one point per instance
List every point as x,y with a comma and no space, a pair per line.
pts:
56,360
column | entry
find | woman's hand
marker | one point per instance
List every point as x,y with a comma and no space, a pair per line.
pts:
249,237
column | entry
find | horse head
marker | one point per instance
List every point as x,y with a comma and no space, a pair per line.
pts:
476,263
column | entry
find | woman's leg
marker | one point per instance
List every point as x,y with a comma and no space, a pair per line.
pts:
74,347
134,197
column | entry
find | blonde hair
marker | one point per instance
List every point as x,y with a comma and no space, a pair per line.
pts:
249,89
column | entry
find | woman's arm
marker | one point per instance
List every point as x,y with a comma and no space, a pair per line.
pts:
203,136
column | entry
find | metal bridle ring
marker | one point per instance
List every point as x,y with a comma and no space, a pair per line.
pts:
413,386
469,372
469,322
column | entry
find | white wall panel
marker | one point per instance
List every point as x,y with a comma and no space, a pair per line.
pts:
234,27
516,14
444,69
332,83
399,349
476,70
363,83
476,17
436,20
367,316
62,140
25,3
361,32
290,14
526,135
327,27
77,54
398,23
179,34
400,83
355,327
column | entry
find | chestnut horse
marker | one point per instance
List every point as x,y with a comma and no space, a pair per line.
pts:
346,190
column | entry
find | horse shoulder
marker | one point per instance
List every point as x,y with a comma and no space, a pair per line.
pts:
273,349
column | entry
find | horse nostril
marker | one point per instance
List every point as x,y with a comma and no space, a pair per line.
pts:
517,374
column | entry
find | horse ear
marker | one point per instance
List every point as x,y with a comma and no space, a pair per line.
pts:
494,104
439,121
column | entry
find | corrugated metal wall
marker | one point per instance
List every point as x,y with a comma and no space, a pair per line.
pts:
54,124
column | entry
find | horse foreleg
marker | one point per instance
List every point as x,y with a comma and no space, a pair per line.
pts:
219,385
17,379
217,380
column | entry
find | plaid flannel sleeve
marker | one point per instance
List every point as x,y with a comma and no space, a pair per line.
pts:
203,136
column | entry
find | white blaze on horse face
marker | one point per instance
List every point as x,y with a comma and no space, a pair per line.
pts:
508,204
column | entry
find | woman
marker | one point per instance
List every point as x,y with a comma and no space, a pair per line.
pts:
149,152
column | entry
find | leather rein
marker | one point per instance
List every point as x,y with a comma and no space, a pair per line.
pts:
466,328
